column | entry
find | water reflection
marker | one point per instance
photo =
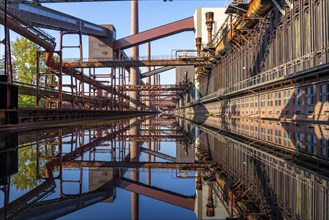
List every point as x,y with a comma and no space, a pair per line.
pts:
68,172
163,168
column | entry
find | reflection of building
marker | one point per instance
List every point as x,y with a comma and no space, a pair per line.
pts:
202,200
185,153
290,186
100,176
98,49
183,73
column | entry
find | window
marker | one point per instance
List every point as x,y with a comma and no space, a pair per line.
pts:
277,98
310,95
287,140
299,140
298,96
286,97
262,133
252,131
247,102
256,132
311,143
252,102
270,135
324,93
269,99
247,130
262,101
278,137
324,147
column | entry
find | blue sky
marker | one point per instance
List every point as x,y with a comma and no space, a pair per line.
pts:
151,14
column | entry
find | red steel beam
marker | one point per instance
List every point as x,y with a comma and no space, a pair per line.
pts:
176,27
156,193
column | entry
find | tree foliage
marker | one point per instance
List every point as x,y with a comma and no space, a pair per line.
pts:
24,55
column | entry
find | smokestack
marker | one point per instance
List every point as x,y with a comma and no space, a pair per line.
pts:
198,42
209,23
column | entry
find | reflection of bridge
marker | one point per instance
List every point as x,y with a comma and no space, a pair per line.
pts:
55,208
177,87
31,205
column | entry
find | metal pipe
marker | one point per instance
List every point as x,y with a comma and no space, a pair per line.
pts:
209,23
148,69
198,43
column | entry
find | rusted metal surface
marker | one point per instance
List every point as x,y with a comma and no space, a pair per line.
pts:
63,114
157,154
186,24
124,164
187,202
192,61
162,87
156,71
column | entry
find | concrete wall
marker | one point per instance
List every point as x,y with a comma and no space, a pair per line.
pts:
102,48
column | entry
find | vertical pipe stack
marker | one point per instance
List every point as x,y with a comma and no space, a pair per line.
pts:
209,23
134,71
134,104
198,44
148,79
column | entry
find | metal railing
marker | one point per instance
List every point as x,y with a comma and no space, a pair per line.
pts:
129,59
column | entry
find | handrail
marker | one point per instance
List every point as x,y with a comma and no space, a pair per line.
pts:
13,15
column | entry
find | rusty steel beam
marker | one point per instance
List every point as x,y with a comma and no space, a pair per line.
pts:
192,61
19,203
161,138
176,27
125,164
31,91
45,114
156,71
58,207
173,198
158,154
153,87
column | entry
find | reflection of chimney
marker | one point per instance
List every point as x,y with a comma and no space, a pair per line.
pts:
210,204
198,183
198,45
209,23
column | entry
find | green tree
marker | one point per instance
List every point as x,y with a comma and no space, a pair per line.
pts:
26,178
24,56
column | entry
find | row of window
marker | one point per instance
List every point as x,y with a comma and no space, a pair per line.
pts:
285,97
301,141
